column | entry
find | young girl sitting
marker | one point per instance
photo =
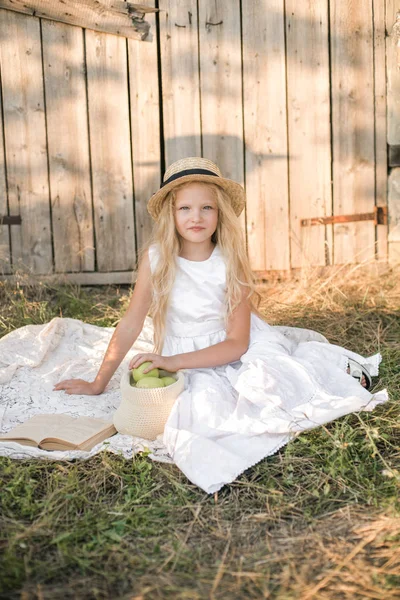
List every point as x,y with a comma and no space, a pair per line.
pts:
249,388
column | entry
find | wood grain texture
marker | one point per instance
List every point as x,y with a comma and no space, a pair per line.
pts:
25,141
221,88
265,127
353,127
308,130
393,71
112,16
286,166
145,120
179,57
394,215
110,151
393,125
68,147
5,255
381,174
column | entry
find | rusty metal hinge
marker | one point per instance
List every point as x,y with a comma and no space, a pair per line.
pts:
379,216
6,220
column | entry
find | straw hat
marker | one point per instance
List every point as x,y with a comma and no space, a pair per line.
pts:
195,169
143,412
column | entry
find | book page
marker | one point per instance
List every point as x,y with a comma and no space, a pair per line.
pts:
34,429
63,428
55,444
83,433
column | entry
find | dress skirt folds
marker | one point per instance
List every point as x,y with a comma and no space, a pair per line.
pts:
230,417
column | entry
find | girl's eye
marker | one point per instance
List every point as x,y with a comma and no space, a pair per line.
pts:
182,207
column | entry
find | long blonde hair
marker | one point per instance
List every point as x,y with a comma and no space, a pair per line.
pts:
230,240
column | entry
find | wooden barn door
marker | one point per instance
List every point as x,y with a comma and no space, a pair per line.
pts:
315,132
288,98
79,148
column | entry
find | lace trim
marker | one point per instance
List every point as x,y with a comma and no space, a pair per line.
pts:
217,487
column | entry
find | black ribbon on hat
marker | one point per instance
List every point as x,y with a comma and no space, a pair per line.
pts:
189,172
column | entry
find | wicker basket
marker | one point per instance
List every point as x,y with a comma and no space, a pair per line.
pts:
144,412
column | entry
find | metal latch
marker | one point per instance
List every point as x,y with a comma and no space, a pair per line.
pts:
379,216
6,220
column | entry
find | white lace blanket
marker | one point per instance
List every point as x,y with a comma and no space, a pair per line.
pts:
35,357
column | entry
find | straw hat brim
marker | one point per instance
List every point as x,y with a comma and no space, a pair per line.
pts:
234,190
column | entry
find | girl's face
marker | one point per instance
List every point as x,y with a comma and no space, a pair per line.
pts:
196,213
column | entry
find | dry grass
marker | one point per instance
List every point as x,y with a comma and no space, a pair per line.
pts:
320,519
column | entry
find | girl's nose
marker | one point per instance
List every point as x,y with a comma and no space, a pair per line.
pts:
196,216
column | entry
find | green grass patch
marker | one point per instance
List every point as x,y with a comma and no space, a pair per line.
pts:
319,519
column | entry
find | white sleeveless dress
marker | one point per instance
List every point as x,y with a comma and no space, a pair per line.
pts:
230,417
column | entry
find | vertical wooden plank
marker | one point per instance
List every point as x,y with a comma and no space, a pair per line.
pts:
5,258
393,71
309,130
221,87
25,140
394,215
66,110
145,120
110,151
353,127
393,122
380,122
180,79
265,126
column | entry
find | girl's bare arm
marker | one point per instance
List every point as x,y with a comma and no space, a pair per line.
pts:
129,327
124,336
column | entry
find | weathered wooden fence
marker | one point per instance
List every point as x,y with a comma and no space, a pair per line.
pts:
289,98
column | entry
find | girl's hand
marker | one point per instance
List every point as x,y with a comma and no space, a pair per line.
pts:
168,363
78,386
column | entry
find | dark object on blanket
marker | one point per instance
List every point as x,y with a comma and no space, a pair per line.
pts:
358,371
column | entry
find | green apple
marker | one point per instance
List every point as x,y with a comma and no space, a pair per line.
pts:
168,380
138,373
163,373
150,382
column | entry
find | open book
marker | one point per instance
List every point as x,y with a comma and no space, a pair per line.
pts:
60,432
